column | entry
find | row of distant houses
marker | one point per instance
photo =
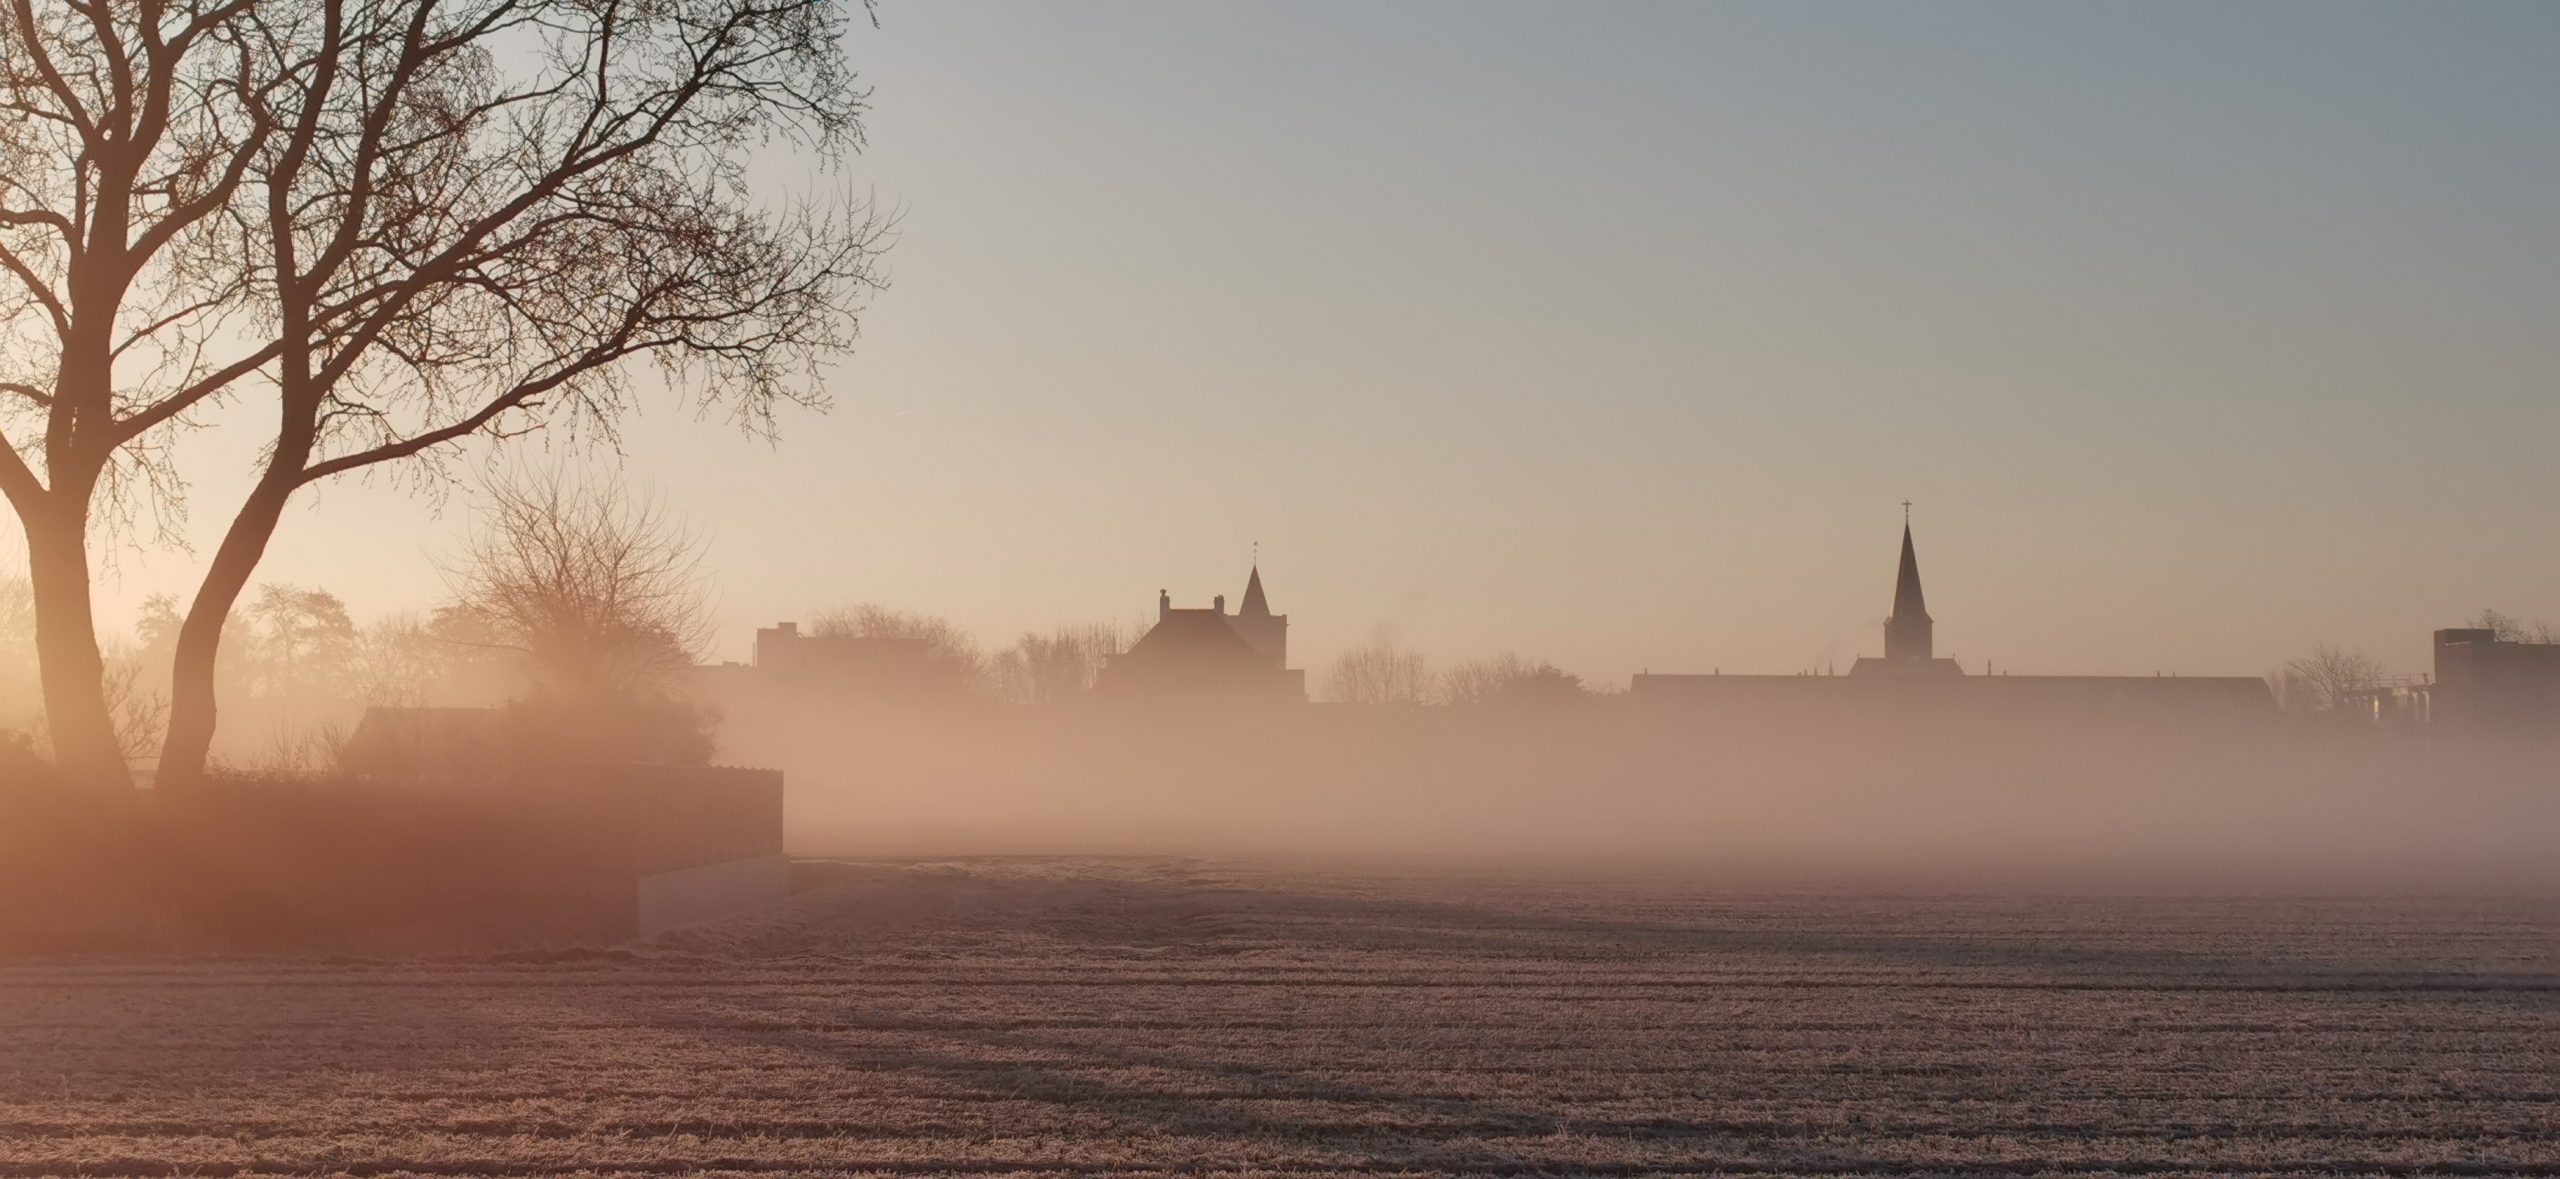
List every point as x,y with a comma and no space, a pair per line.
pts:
635,848
1211,657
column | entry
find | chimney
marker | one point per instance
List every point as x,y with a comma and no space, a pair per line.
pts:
1219,603
1164,605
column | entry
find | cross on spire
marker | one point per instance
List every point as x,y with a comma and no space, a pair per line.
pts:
1906,513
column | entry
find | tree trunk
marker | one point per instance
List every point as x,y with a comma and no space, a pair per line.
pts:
82,727
193,703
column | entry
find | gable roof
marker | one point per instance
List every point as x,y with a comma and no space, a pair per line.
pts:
1192,634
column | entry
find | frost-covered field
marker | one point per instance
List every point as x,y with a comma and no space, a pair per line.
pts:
1147,1017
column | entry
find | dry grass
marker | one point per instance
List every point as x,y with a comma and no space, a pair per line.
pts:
1095,1017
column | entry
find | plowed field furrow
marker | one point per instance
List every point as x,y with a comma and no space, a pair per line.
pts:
1094,1018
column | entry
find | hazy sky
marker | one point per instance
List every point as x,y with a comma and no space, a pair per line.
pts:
2199,333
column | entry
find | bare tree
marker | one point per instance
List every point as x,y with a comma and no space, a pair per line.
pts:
303,644
138,709
2510,629
2322,680
399,224
1477,681
598,595
127,134
1508,678
1055,667
946,645
599,599
1380,673
141,713
399,662
1546,684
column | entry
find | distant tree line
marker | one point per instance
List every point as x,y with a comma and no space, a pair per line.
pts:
1383,673
1036,668
574,605
582,607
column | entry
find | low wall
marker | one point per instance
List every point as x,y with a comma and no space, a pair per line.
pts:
687,896
386,868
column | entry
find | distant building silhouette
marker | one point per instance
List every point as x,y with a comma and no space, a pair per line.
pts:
1268,632
1209,655
2489,686
2399,704
1911,680
1909,634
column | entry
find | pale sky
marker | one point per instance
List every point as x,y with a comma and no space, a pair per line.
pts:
1614,335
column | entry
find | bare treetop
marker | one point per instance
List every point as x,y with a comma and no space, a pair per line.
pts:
404,223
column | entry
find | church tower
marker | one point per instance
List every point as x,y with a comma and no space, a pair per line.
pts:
1910,644
1907,631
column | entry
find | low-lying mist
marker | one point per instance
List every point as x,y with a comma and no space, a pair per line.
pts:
1609,786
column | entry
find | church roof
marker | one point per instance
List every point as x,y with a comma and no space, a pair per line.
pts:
1255,605
1907,602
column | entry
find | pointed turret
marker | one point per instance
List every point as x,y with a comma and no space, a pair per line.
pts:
1907,632
1268,632
1255,605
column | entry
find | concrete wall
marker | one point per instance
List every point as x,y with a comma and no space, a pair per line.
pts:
2484,686
689,895
587,853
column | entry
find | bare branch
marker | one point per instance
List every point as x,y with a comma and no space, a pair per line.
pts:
410,223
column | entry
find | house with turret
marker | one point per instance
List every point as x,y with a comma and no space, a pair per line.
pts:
1209,655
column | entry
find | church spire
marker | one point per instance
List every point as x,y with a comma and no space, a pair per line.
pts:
1907,632
1907,600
